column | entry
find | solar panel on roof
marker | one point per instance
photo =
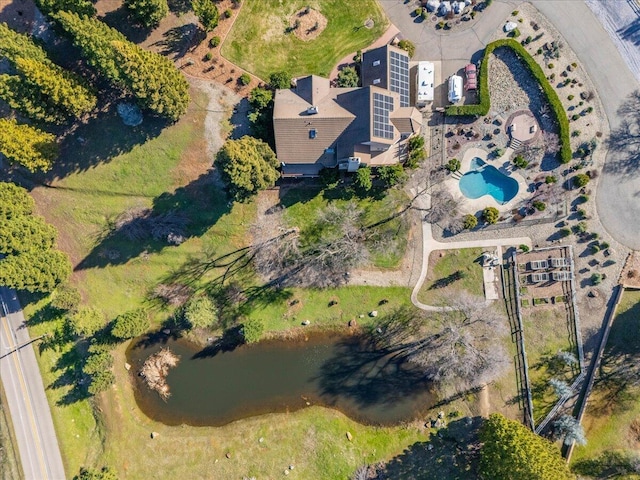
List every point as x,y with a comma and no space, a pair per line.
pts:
382,106
399,76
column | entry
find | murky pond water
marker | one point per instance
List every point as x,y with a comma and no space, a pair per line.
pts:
214,387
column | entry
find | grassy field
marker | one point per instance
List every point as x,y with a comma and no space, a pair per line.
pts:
545,334
612,421
445,267
258,43
9,455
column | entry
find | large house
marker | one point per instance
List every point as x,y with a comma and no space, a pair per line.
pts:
318,126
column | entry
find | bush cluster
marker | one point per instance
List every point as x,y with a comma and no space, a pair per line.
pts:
552,97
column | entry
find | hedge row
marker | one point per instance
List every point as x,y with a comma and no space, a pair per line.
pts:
552,97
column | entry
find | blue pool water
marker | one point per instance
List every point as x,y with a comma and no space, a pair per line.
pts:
483,179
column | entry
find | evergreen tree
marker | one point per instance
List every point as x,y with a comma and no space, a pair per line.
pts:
15,45
86,321
153,79
81,7
511,451
207,13
63,89
200,313
130,324
27,146
148,12
27,99
247,165
28,260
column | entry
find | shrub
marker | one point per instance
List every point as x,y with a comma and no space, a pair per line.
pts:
515,13
564,232
581,180
570,97
214,42
549,179
582,213
540,206
520,162
491,215
363,178
550,65
595,248
581,227
207,13
469,221
227,13
245,79
148,12
453,165
583,198
524,248
252,330
515,33
575,117
130,324
576,133
200,312
408,46
418,12
280,80
596,278
348,77
415,142
208,56
392,174
604,245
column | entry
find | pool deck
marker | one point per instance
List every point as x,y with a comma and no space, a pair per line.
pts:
504,166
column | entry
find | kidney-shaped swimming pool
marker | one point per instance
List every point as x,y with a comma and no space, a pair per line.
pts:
483,179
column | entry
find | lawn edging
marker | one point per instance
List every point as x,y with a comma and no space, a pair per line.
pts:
483,107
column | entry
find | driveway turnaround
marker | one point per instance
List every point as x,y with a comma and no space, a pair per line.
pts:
618,195
20,375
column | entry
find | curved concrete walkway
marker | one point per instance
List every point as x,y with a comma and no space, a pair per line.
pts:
429,244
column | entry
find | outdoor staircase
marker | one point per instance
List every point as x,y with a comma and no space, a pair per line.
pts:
515,144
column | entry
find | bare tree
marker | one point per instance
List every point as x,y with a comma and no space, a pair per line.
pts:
551,142
459,348
443,205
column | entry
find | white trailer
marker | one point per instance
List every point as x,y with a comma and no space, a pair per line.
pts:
424,83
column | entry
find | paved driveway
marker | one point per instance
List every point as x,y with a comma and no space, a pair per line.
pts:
618,194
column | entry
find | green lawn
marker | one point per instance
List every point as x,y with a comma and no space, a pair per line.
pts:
440,281
612,421
258,42
303,205
9,456
546,333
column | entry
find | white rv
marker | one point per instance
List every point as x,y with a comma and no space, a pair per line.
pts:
424,83
455,88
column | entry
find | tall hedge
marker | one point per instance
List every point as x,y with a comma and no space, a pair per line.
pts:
552,97
152,78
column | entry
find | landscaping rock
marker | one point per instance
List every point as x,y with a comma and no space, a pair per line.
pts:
353,323
127,366
154,434
349,436
374,313
306,322
130,114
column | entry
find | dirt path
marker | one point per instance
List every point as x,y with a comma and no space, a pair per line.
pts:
484,405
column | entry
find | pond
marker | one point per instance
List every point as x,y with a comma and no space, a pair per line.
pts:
483,179
214,387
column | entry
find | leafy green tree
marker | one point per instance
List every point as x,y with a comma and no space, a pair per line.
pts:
200,312
66,298
392,174
207,13
148,12
469,221
80,7
153,79
27,146
130,324
348,77
280,80
363,178
261,115
260,98
491,215
510,451
247,165
416,142
105,473
408,46
86,321
252,330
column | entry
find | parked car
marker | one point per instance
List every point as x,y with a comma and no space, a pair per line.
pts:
455,88
470,74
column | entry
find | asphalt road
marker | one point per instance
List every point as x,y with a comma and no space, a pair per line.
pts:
20,375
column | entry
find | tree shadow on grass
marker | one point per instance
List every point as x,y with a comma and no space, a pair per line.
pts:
451,452
194,208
